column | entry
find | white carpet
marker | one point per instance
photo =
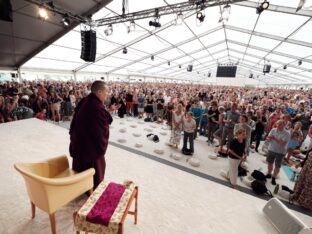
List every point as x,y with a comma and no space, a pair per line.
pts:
170,200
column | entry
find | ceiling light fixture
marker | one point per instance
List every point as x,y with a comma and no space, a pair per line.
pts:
179,19
285,67
155,23
42,13
200,16
299,62
225,13
131,27
65,20
125,51
263,6
109,30
152,58
168,63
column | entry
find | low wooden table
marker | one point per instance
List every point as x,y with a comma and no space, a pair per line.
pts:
116,222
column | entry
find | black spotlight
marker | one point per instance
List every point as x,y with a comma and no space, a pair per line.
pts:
251,76
285,67
65,20
299,62
209,74
180,66
155,23
168,63
152,58
263,6
275,70
200,16
125,51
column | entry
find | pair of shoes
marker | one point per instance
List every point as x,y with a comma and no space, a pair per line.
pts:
268,176
273,181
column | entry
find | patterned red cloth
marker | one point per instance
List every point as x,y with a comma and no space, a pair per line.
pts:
105,206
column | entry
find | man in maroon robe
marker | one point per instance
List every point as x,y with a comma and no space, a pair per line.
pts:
89,132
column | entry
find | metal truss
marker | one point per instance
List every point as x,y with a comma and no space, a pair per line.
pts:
192,5
275,8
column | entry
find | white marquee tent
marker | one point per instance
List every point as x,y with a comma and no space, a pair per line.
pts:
279,36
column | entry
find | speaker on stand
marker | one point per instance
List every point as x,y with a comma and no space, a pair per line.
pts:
88,45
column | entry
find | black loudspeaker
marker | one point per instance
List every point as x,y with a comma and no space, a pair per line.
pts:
266,68
88,45
6,10
189,68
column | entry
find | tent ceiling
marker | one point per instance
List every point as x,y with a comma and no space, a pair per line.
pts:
279,35
27,35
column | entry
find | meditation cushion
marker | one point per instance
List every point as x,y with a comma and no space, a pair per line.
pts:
194,162
213,156
176,156
133,126
247,180
138,145
163,133
122,130
136,134
122,140
158,151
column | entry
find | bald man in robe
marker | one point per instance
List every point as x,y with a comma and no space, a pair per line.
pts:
89,132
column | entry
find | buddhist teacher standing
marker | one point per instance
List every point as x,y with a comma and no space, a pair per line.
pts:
89,132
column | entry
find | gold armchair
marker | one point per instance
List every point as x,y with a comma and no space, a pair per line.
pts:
51,184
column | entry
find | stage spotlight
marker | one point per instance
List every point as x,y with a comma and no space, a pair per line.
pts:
200,16
42,13
285,67
251,76
131,27
263,6
299,62
155,23
209,74
179,19
275,70
125,51
66,20
168,63
152,58
109,30
180,66
225,13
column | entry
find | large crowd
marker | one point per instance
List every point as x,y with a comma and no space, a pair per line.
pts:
228,114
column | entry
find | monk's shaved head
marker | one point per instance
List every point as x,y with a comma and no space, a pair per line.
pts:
97,85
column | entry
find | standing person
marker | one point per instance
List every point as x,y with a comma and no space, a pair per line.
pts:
231,118
243,124
218,133
303,186
296,138
259,130
278,139
160,108
236,155
177,117
189,126
196,111
213,118
141,101
89,132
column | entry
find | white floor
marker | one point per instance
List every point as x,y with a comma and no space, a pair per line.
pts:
170,200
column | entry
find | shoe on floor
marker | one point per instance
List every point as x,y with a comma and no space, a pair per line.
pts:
273,181
268,176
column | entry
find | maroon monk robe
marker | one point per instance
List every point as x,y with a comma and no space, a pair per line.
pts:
89,133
